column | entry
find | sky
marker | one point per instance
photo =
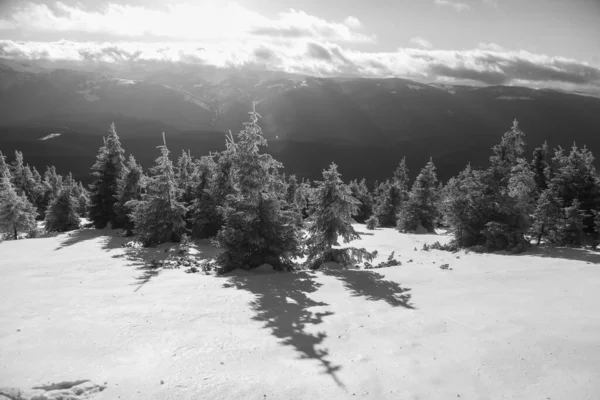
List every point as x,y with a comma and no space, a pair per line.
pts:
536,43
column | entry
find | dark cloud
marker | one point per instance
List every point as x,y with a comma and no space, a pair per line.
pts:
264,54
319,52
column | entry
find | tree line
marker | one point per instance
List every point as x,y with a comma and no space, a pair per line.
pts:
240,198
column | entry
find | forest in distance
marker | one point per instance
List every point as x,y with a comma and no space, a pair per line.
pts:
256,214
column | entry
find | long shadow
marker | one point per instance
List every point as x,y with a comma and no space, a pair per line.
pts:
84,234
282,303
565,253
373,286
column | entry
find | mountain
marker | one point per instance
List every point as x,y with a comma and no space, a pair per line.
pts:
365,125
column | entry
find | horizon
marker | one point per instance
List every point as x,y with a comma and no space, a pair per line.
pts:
472,42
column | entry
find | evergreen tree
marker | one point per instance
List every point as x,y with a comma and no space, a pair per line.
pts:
361,193
257,227
107,170
129,187
540,167
331,217
422,205
575,178
62,215
17,214
547,215
186,181
401,175
158,216
3,166
571,228
389,203
205,219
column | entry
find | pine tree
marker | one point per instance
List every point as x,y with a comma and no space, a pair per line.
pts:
107,170
158,216
546,216
389,203
421,209
361,193
17,214
401,175
331,217
185,177
257,227
3,166
540,167
62,215
571,229
129,187
205,219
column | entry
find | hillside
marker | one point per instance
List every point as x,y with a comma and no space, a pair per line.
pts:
493,327
364,125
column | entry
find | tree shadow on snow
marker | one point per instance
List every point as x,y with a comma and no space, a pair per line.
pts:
81,235
565,253
372,286
282,303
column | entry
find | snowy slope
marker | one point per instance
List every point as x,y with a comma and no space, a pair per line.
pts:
79,306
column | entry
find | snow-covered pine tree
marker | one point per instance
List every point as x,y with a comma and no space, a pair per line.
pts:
421,208
361,193
62,215
540,167
185,177
575,177
158,216
331,220
23,178
546,217
571,228
3,165
17,214
205,219
389,203
49,189
257,227
107,170
129,187
401,175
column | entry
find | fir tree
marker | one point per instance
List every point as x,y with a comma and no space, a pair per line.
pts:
361,193
401,175
17,214
107,170
547,215
205,219
540,167
3,166
571,228
62,215
389,203
331,217
422,205
185,177
158,216
129,187
257,228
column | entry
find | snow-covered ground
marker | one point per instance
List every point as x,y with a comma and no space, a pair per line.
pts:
80,306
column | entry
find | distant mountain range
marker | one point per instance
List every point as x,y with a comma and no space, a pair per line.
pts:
58,116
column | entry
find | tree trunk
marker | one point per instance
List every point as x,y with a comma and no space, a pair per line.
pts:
539,239
16,234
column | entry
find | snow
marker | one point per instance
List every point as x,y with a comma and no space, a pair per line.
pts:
79,306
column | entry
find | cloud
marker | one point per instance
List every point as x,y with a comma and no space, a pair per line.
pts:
476,66
490,46
421,42
491,3
454,4
181,21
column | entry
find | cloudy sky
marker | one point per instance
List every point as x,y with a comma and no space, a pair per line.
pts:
538,43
